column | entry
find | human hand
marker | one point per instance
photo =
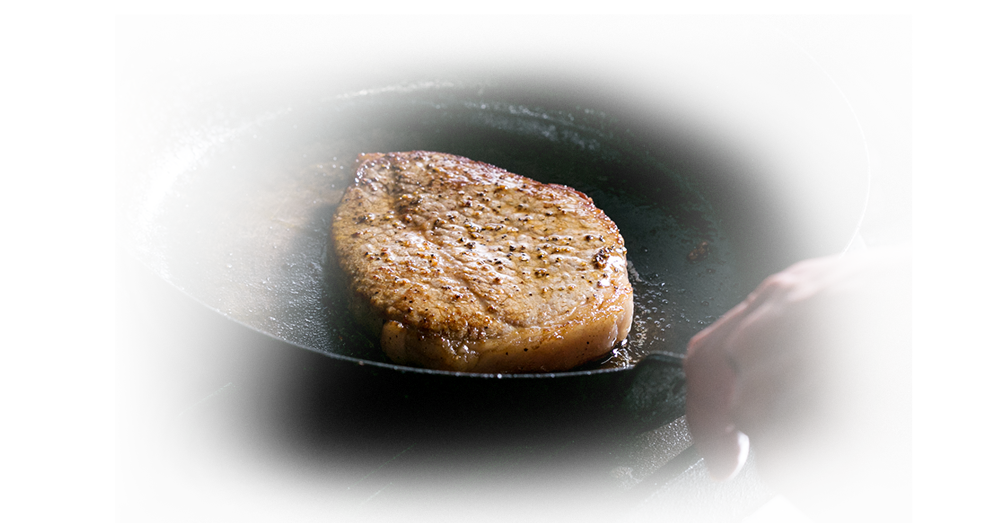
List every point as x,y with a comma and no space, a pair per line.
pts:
813,370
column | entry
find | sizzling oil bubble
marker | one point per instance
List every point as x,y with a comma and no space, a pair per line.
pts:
651,328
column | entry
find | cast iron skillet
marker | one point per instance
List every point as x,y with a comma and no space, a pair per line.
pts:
235,215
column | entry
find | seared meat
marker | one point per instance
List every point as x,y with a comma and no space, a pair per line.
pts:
460,265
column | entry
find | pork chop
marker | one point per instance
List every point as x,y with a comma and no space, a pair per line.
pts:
459,265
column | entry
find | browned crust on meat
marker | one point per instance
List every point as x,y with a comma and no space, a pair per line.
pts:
469,267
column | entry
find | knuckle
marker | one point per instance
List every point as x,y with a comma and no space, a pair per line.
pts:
783,280
697,340
775,285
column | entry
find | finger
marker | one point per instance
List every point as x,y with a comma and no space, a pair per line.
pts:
760,348
710,381
715,437
773,285
767,321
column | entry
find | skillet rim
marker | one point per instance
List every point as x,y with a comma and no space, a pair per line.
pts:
158,281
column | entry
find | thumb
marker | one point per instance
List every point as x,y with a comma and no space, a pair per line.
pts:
710,381
716,438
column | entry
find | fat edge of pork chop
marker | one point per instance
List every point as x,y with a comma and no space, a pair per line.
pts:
460,265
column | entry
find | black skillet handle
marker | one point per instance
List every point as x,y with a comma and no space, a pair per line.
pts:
656,392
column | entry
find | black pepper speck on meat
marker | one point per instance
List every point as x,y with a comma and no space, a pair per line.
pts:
460,265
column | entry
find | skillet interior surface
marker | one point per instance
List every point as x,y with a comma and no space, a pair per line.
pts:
242,224
235,136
